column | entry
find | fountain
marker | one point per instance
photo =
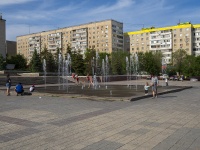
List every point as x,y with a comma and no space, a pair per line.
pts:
136,69
94,70
45,72
127,70
59,68
67,69
103,71
63,73
115,90
106,70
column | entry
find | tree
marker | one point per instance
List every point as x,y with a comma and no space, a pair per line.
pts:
2,62
19,61
151,62
118,62
78,63
178,59
50,61
191,65
89,54
56,57
35,64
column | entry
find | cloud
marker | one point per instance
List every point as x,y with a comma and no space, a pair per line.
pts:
107,8
24,29
12,2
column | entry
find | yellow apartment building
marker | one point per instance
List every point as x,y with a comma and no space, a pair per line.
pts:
166,39
103,36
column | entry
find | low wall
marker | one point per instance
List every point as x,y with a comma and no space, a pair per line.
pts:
29,74
2,72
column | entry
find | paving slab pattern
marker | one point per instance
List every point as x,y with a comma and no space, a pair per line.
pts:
41,122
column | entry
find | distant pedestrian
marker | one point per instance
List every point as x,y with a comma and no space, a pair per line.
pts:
88,80
166,81
32,88
77,79
8,84
154,81
146,88
19,89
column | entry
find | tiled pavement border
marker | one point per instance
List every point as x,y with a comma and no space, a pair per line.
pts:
161,93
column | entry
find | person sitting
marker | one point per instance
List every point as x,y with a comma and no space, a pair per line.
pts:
32,88
19,89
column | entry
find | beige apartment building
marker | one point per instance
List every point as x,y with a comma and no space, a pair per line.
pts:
2,36
166,39
103,36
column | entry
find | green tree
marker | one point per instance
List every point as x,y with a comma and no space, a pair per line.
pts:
118,62
191,66
35,64
56,57
50,61
19,61
178,59
151,62
77,63
89,54
2,62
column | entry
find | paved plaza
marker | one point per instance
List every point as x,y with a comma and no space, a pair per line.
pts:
45,122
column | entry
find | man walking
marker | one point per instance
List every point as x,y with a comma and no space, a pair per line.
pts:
154,81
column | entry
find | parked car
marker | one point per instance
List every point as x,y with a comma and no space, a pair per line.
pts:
171,78
164,76
174,77
193,79
148,78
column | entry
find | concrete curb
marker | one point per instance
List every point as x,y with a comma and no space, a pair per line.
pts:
161,93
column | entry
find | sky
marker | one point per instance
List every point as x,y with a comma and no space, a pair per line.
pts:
31,16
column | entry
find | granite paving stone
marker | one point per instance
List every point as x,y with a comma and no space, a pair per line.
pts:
172,121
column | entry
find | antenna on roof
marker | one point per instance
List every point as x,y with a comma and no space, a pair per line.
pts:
179,21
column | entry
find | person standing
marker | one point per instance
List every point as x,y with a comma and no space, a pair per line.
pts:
77,79
154,81
146,88
88,80
166,81
8,84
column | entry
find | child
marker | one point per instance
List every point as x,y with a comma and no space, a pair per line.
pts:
146,88
32,88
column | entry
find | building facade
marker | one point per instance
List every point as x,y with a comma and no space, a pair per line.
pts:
103,36
166,40
2,36
11,49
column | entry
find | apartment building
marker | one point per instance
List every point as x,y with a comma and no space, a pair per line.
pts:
2,36
103,36
166,39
